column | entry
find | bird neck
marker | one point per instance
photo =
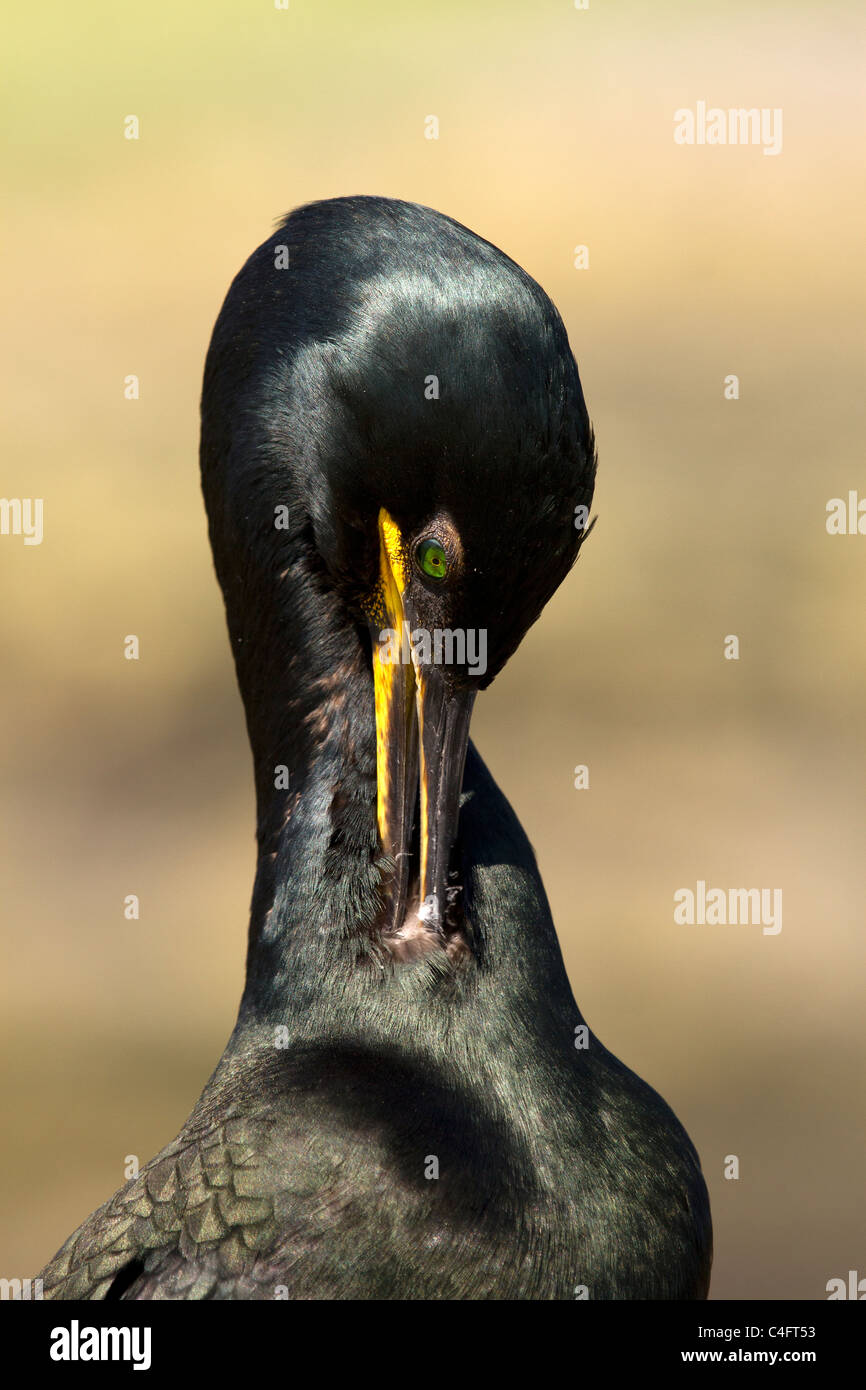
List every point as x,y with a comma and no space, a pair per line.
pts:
305,676
313,966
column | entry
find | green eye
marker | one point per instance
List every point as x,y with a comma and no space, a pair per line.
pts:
432,559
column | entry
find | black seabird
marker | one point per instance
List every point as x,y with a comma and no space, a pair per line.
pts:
395,445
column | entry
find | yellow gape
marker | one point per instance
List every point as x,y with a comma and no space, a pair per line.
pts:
394,686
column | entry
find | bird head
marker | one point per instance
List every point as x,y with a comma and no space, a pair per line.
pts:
421,393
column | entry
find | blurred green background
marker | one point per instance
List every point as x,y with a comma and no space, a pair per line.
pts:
122,777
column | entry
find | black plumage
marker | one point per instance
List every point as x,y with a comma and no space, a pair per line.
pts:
401,1111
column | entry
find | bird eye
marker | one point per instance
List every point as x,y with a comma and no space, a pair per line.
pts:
431,559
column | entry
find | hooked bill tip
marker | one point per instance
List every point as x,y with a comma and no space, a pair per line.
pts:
429,911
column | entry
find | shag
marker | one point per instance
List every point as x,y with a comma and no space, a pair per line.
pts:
394,450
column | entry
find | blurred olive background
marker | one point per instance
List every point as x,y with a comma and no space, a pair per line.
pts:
556,129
